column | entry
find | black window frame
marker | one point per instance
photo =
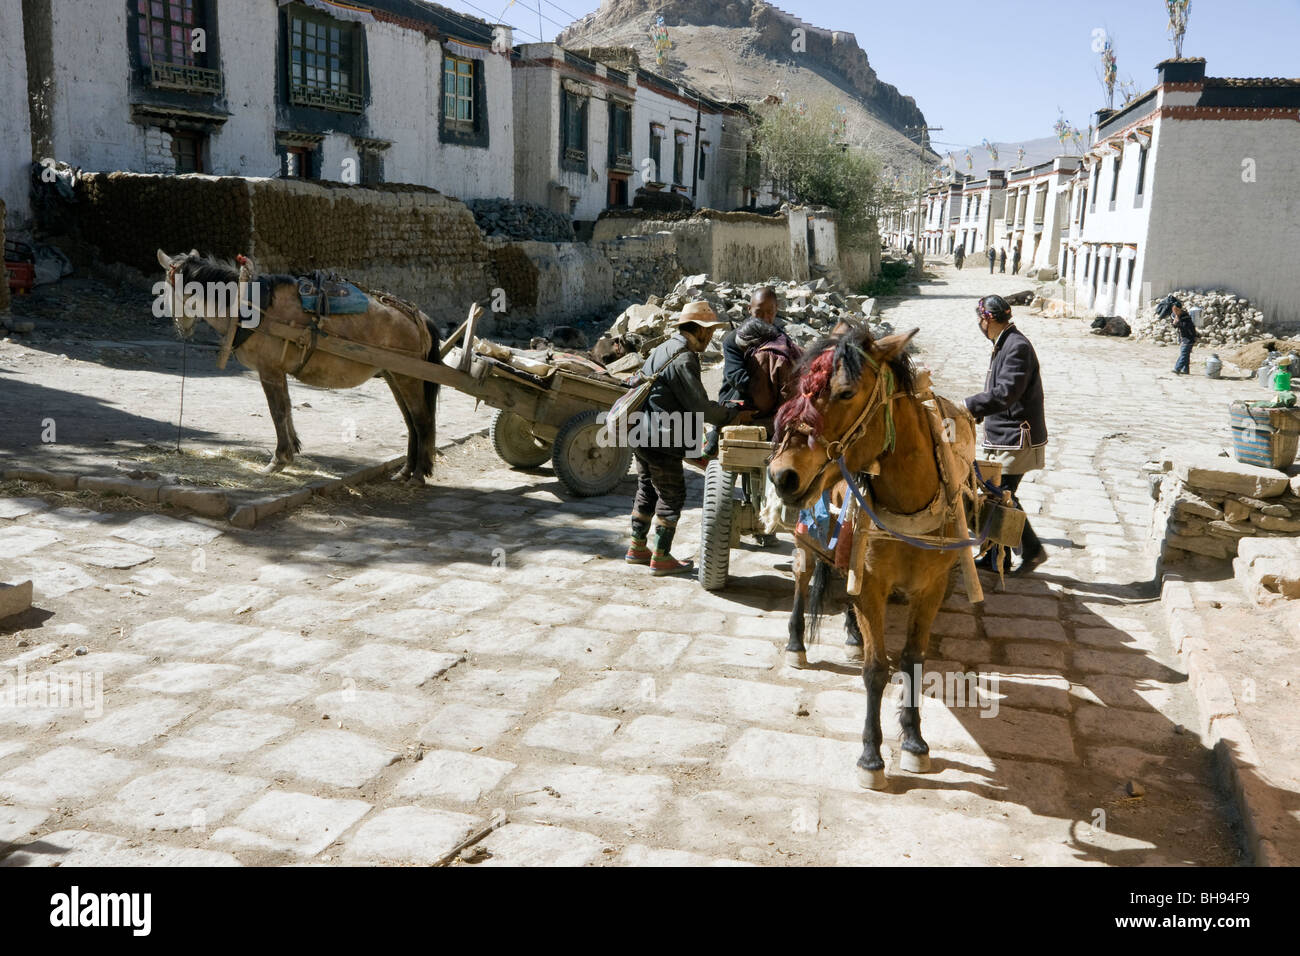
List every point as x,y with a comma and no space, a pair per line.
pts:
574,158
657,151
456,132
1115,167
1140,188
200,143
332,97
703,159
619,116
312,156
194,73
679,159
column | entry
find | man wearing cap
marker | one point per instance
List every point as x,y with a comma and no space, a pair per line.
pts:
677,393
1011,408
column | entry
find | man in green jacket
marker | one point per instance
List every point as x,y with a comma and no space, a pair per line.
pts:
677,408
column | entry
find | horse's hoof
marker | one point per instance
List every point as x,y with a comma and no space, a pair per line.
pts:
274,467
796,658
415,481
401,475
854,654
914,763
872,779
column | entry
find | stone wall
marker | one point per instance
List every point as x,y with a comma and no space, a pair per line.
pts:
643,265
409,240
1206,505
727,246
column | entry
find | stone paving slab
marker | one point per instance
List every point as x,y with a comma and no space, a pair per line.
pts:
368,678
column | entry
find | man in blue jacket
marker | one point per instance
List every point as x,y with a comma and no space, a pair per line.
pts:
1011,408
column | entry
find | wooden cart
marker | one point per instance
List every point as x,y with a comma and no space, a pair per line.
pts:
741,466
556,416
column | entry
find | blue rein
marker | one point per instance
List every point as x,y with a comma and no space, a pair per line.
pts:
917,542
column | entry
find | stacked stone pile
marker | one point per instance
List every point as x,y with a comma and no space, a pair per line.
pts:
1206,505
808,309
1226,319
520,220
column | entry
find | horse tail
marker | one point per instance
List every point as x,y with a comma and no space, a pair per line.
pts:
431,388
816,595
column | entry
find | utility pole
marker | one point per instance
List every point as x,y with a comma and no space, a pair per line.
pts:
918,255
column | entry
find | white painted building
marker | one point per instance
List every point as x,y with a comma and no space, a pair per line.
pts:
982,202
1035,213
364,91
15,128
591,134
1191,185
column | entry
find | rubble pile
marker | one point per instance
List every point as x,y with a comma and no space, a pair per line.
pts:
1226,319
1207,505
510,219
808,309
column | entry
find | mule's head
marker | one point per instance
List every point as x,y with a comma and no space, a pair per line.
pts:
174,266
841,406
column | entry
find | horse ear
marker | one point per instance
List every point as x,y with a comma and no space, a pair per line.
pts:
892,346
164,260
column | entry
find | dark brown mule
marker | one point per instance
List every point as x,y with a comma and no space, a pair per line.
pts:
855,399
387,324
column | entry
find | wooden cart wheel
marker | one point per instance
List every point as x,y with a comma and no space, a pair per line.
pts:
715,526
513,440
586,467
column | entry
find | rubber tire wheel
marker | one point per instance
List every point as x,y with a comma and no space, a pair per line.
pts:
715,526
514,442
575,452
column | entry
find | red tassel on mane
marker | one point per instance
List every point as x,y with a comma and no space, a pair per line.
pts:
812,383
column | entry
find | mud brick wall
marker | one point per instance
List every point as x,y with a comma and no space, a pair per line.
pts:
643,265
128,217
411,241
516,274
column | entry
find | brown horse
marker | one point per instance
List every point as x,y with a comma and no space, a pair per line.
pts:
855,403
388,323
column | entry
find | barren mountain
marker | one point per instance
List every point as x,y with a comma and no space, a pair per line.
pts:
745,50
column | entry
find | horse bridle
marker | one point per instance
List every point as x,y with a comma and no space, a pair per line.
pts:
881,399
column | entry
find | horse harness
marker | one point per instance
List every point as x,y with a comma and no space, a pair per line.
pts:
915,528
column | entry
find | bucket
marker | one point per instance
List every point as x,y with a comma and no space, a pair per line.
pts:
1263,435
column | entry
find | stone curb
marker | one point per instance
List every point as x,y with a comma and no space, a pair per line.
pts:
15,599
213,502
1221,726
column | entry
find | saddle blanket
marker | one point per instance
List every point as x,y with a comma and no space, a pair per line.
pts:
342,298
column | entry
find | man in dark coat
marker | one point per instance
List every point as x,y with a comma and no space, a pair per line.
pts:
1015,261
676,401
1002,260
993,258
959,255
759,360
1011,408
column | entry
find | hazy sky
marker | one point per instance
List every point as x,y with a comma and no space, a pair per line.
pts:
1001,68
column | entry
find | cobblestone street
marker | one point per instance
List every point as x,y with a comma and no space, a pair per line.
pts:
372,677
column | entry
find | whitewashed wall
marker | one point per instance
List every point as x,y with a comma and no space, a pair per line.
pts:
1237,235
15,134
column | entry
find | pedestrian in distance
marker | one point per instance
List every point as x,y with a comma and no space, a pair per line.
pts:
1011,410
1015,261
959,255
993,258
1171,307
676,392
1002,260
